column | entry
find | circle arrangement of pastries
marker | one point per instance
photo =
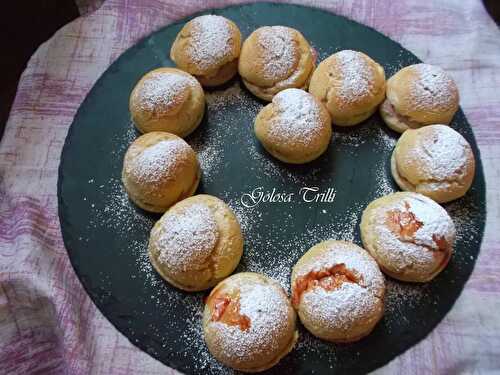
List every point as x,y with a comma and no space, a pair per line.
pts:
274,58
410,236
249,323
435,161
159,169
338,291
196,243
350,84
295,127
167,99
208,47
419,95
337,287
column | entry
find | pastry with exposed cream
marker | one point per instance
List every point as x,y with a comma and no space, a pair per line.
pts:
208,47
167,99
419,95
338,291
249,323
159,169
410,236
295,127
196,243
275,58
435,161
350,84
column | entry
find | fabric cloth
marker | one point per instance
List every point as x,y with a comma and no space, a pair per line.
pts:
48,324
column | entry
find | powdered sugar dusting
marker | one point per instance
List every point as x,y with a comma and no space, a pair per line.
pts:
267,310
384,184
419,251
464,213
186,238
162,91
270,168
296,117
279,54
383,141
383,180
157,161
221,98
210,41
119,212
434,88
356,75
341,308
356,260
353,138
400,295
436,223
260,252
442,153
209,141
202,360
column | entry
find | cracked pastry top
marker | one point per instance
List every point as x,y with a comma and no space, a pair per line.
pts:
274,58
435,161
208,47
295,127
350,84
167,99
338,291
419,95
196,243
410,236
249,323
159,169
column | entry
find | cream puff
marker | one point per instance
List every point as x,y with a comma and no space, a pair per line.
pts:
419,95
295,127
350,84
275,58
249,323
208,47
196,243
167,99
435,161
338,291
410,236
159,169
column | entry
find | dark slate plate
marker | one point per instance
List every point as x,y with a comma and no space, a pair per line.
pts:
106,236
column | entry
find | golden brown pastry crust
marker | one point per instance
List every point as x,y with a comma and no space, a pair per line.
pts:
419,95
338,291
350,84
208,47
167,99
410,236
196,243
274,58
159,169
257,329
295,127
435,161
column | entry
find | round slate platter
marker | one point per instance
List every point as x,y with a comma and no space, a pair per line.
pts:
106,236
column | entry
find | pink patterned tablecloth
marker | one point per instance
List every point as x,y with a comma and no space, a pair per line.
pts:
48,324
